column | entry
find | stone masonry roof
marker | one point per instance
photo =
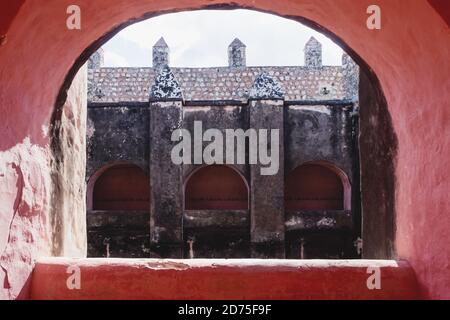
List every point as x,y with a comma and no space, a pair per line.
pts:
217,83
235,82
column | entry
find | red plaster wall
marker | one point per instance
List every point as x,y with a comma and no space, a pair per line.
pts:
409,55
215,188
313,187
226,279
8,10
122,188
443,8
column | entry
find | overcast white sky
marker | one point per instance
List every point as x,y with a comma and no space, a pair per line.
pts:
201,39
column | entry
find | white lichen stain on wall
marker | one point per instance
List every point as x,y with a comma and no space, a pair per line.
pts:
295,221
196,109
90,129
45,131
319,109
326,223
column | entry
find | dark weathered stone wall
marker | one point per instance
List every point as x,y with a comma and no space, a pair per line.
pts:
267,191
166,226
216,117
211,236
316,133
141,134
216,234
319,133
117,132
118,234
378,144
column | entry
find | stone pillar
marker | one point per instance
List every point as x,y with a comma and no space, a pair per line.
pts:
165,177
236,54
313,53
161,54
351,77
267,191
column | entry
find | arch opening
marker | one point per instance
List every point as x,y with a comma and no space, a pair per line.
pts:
319,193
216,187
376,95
118,206
315,186
216,213
121,188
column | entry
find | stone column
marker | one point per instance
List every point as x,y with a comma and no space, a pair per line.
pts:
351,77
313,53
267,191
165,177
236,54
161,53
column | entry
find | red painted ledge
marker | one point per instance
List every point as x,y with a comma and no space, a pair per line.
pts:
221,279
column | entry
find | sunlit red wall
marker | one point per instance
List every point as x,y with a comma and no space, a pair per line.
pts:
409,55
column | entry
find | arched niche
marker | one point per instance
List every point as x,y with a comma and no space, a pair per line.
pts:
119,187
216,187
317,186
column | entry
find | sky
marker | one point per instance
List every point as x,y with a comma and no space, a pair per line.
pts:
201,39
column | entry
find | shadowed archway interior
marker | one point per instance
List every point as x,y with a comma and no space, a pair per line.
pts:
122,188
314,187
216,187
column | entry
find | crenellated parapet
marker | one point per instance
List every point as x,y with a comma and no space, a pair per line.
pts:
312,81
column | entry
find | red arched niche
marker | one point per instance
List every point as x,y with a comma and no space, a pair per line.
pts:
316,186
121,188
216,187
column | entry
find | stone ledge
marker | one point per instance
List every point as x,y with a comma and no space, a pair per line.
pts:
118,219
216,218
318,220
155,279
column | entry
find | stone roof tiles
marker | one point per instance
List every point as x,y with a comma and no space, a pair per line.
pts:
216,83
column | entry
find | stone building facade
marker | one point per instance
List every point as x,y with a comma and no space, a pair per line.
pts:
141,204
